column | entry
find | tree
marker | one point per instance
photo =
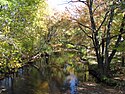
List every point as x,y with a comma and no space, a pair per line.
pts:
18,34
105,28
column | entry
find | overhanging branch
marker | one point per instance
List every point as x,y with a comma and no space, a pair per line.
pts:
103,21
85,32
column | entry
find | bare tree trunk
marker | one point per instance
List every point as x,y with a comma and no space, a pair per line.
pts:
107,63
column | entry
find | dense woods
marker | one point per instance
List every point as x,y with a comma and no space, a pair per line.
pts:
94,31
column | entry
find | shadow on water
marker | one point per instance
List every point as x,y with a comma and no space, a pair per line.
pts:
30,81
40,79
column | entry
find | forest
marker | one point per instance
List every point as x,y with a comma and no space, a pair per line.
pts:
86,41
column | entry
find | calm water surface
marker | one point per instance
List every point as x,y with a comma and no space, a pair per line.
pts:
30,80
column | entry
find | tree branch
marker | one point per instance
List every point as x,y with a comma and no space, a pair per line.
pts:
103,21
108,40
78,1
82,24
93,26
97,7
85,32
117,35
118,40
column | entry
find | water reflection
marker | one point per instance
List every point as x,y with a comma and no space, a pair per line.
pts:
30,81
71,84
43,79
6,85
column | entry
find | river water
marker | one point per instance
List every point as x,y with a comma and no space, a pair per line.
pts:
30,81
40,80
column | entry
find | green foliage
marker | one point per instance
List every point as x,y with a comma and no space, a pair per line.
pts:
121,48
18,35
69,46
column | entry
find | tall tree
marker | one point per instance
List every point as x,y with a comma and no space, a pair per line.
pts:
103,22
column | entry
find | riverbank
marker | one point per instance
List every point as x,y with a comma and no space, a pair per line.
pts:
95,88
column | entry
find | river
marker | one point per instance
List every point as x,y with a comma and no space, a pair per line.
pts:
40,80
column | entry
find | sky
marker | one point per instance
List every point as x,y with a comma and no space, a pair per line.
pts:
60,4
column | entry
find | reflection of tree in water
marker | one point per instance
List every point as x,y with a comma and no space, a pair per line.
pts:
55,85
55,80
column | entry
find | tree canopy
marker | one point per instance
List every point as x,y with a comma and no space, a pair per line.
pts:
95,31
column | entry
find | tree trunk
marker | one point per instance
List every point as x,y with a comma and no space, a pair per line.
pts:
100,66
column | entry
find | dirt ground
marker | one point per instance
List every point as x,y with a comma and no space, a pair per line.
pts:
94,88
